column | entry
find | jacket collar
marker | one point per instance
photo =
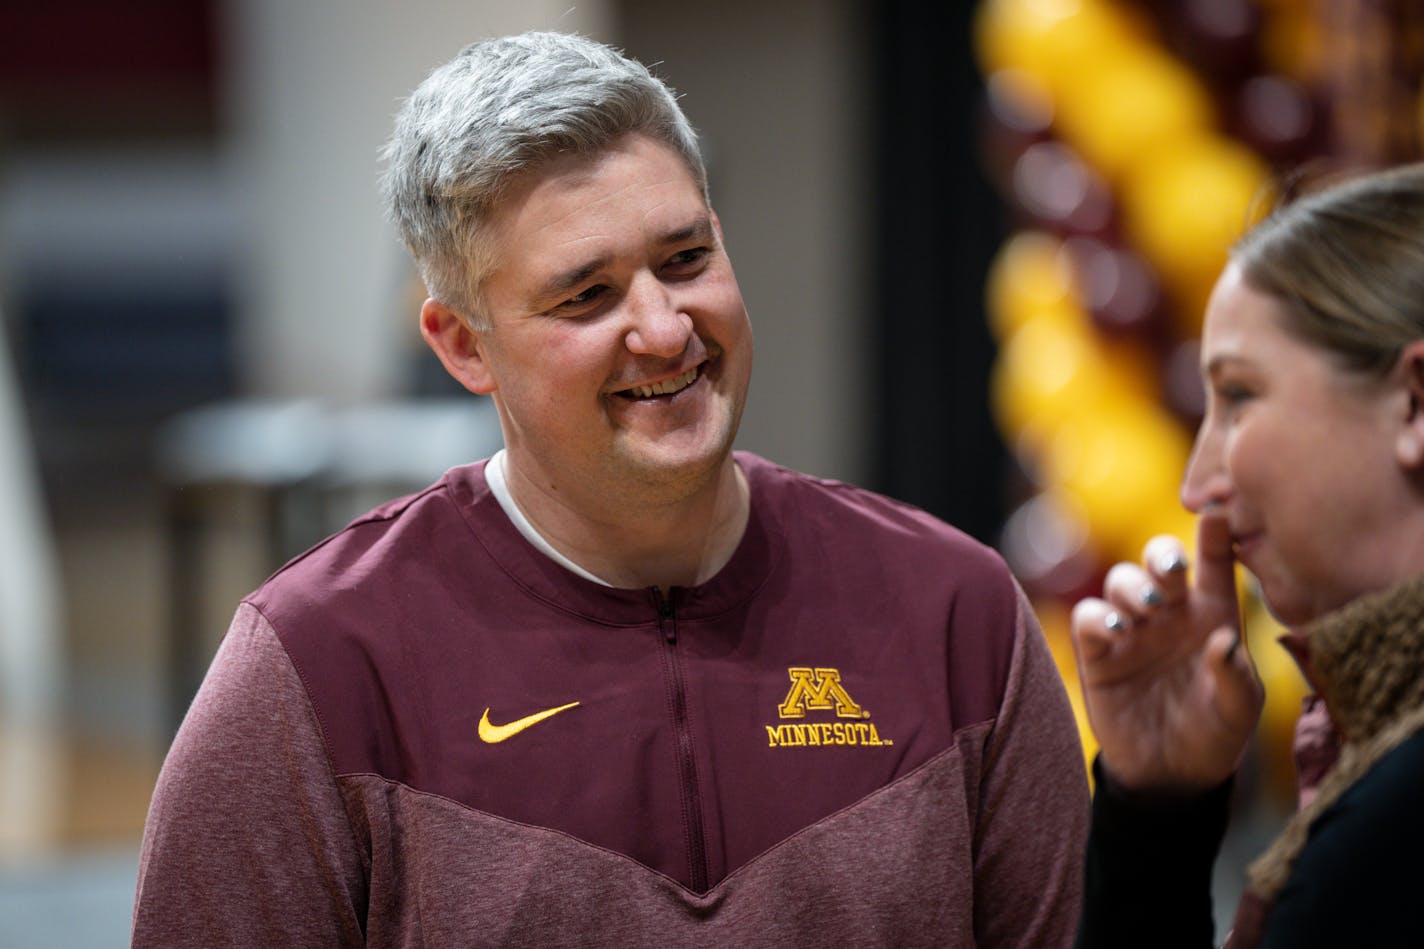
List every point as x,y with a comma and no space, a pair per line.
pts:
1367,658
751,566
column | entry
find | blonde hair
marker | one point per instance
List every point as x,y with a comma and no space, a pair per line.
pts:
1347,264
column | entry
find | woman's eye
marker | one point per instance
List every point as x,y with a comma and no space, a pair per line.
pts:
1232,394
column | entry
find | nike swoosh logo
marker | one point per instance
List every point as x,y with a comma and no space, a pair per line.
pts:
493,734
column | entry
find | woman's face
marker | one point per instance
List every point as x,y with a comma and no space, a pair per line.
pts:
1301,456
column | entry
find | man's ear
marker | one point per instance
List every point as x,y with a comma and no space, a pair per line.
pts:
460,349
1409,442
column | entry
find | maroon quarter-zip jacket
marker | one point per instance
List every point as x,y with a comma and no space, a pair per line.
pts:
425,732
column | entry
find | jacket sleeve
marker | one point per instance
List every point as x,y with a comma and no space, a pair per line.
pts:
1149,865
1033,806
247,842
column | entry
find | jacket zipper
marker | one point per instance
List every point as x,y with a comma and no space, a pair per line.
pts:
686,758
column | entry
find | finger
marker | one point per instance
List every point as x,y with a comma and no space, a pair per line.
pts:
1216,565
1238,688
1096,628
1131,590
1165,558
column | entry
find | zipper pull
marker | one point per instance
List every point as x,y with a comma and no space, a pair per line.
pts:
665,615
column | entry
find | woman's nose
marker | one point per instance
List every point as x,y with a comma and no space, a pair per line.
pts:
1205,482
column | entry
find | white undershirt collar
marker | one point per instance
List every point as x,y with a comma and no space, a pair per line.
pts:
495,475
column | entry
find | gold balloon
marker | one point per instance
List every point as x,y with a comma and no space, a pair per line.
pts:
1126,105
1051,39
1030,277
1123,464
1057,368
1185,208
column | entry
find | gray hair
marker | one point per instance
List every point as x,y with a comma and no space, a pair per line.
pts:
1347,265
498,110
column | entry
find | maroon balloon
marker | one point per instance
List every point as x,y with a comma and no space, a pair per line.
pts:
1011,120
1219,39
1279,118
1049,553
1119,289
1062,193
1182,390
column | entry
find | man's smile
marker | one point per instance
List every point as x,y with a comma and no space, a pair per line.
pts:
666,387
672,385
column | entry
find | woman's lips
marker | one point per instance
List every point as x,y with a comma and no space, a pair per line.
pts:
1244,544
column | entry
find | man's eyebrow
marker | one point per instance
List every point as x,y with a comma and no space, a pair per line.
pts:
700,229
569,280
565,282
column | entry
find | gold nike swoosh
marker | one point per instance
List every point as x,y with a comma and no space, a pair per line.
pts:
492,733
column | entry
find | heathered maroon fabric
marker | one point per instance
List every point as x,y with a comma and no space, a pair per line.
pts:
667,807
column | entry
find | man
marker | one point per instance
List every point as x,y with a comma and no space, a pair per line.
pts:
615,685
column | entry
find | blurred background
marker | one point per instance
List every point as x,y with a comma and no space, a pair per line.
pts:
975,240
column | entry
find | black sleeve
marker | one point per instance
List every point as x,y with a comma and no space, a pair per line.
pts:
1358,881
1149,865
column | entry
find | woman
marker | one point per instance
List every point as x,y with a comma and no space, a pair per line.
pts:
1308,470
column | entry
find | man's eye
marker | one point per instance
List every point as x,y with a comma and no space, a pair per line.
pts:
584,298
687,260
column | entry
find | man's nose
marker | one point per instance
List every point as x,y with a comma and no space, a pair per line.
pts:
656,326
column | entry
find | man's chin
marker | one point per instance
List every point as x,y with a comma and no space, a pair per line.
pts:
671,459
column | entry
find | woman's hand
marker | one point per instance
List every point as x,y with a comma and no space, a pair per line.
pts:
1170,689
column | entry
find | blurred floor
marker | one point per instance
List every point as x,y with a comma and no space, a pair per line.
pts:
71,816
79,901
74,792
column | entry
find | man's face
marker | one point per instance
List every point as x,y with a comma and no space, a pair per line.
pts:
619,349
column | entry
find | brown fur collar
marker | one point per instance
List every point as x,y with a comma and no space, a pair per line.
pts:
1367,660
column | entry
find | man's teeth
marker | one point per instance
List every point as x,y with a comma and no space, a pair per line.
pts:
666,388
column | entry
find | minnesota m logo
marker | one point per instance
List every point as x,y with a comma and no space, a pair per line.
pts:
818,690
